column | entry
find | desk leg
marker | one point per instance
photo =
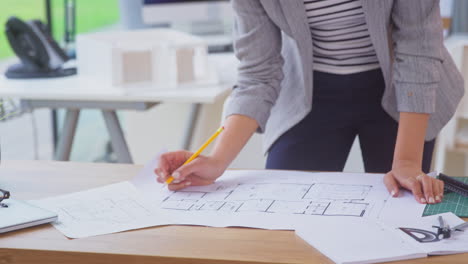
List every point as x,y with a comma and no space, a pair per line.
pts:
190,128
65,141
117,137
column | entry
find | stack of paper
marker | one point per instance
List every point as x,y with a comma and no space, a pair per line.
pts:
457,243
108,209
364,241
349,217
358,241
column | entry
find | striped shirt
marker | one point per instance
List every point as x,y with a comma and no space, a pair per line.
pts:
341,39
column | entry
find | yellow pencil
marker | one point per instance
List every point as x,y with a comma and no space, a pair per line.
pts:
195,155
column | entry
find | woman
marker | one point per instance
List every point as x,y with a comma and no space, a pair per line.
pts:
313,75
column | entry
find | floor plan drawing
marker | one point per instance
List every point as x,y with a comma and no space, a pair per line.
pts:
111,210
103,210
267,199
283,198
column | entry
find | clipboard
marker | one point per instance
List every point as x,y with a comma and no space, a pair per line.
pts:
20,214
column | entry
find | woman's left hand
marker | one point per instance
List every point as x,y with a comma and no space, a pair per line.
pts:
408,174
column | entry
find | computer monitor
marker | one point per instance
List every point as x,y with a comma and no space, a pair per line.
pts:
198,16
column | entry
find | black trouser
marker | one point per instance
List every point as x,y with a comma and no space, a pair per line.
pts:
344,106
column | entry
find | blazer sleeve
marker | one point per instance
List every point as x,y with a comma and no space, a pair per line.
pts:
418,43
257,45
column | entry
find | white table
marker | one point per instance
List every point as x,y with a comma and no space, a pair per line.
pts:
75,93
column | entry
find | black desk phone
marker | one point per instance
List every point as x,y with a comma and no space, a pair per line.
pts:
40,55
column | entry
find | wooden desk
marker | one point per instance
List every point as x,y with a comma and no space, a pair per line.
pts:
170,244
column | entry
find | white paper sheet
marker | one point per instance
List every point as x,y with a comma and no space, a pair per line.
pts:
104,210
349,217
278,199
457,243
145,180
257,199
403,208
357,240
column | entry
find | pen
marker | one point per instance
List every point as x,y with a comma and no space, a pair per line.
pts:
195,155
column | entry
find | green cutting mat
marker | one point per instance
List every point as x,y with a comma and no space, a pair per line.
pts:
452,202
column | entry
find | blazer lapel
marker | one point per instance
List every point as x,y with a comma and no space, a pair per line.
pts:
377,15
295,15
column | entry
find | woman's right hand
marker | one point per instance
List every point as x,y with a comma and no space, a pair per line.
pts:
203,170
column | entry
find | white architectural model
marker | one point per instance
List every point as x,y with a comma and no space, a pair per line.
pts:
162,58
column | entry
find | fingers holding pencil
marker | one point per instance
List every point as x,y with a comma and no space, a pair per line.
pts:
199,151
169,162
181,169
201,171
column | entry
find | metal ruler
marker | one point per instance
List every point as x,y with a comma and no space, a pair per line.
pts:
453,201
454,185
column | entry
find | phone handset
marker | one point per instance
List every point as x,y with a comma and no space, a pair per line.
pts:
40,55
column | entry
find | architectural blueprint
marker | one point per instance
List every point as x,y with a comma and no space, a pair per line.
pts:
277,199
108,209
248,198
285,198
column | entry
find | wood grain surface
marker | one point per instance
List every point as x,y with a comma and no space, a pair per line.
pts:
168,244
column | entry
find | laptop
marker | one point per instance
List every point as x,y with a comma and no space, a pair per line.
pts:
20,214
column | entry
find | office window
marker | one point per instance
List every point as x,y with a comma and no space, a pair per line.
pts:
91,15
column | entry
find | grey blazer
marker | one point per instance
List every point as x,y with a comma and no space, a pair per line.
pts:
275,81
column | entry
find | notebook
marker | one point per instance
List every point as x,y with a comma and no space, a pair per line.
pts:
20,214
